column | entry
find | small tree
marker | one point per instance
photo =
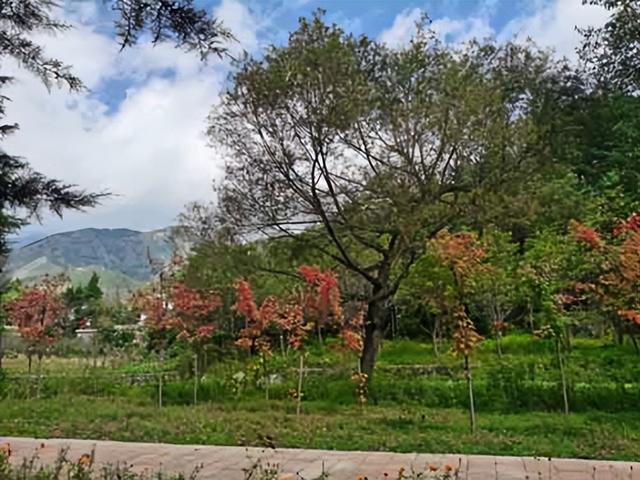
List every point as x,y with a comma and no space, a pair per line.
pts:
462,254
321,305
254,336
616,284
494,287
430,284
191,316
555,266
466,338
182,311
297,329
352,336
39,313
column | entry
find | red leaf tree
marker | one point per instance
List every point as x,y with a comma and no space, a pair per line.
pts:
184,311
254,337
322,298
462,254
619,286
257,320
39,313
616,286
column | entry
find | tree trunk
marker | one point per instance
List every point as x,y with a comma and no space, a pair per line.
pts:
1,345
530,315
196,379
160,378
375,324
434,337
472,407
563,378
631,334
619,332
39,375
319,332
265,373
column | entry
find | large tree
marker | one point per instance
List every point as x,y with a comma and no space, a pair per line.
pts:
24,193
371,150
612,52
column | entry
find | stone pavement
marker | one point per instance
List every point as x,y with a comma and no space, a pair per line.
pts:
228,463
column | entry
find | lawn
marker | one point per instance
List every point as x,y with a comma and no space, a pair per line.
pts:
262,423
418,403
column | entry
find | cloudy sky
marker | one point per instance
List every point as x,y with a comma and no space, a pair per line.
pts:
139,130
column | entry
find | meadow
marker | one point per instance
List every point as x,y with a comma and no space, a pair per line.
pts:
417,401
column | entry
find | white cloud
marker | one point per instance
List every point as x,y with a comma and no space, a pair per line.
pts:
150,149
448,29
550,23
402,29
457,31
553,25
241,22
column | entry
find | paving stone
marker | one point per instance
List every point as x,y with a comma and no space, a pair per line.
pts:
228,463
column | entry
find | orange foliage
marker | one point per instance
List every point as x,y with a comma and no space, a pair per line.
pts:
38,312
465,336
632,316
617,285
460,252
183,309
257,320
325,298
586,235
293,323
631,224
352,332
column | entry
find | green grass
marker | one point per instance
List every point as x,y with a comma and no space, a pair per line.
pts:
589,435
417,402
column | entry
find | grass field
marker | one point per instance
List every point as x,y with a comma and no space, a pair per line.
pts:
418,403
261,423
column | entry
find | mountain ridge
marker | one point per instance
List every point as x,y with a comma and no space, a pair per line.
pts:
119,255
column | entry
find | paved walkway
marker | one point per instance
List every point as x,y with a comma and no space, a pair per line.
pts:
227,463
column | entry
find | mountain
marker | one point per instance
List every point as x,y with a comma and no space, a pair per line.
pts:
120,256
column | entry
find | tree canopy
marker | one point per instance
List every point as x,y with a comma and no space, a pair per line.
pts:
370,150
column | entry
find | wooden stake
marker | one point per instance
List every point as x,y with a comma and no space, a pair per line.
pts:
300,375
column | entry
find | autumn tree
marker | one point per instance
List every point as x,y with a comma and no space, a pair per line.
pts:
370,150
254,336
351,336
615,287
39,313
179,312
463,256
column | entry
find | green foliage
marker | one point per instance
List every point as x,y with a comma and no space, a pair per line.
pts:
84,303
600,143
610,51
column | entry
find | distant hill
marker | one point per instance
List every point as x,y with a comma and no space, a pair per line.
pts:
119,256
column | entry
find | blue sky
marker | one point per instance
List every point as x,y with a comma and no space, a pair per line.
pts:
139,131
